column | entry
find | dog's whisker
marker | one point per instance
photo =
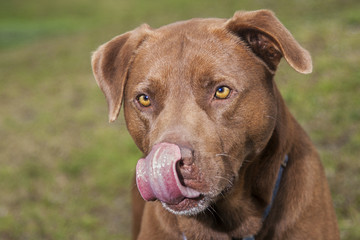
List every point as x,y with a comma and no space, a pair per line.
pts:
274,118
229,156
215,214
225,155
224,178
210,210
223,195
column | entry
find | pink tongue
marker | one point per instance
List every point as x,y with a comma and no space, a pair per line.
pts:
156,175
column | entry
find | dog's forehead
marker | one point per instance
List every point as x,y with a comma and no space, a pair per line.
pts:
194,47
181,36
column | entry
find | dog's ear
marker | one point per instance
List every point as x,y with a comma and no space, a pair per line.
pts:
111,62
269,39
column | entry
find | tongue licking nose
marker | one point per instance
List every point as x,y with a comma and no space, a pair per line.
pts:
156,176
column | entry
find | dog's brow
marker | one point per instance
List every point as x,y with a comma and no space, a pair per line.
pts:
150,86
211,81
146,84
142,87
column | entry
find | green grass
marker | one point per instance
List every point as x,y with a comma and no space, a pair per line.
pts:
65,173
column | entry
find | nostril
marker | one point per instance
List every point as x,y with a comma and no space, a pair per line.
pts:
186,156
179,165
184,166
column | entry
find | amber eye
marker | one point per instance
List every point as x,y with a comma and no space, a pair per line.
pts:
144,100
222,92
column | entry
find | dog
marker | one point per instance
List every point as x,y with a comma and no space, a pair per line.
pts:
223,156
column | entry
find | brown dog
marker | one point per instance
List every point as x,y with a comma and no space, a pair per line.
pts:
201,104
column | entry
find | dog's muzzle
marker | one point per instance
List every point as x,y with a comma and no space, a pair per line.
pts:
157,176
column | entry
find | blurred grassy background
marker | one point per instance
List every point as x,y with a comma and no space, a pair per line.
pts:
65,173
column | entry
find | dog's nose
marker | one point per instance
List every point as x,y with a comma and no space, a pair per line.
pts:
186,156
185,166
157,175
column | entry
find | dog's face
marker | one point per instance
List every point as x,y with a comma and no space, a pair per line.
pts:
205,92
199,100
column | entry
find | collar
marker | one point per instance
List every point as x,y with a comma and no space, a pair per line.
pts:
268,208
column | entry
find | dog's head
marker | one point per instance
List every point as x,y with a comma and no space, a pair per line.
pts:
199,100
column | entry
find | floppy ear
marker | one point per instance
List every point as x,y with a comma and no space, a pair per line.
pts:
269,39
111,62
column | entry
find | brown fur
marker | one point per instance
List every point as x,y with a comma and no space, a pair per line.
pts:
242,139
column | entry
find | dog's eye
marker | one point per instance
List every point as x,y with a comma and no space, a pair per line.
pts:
144,100
222,92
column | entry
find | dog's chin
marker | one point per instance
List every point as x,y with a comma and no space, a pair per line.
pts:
194,206
188,206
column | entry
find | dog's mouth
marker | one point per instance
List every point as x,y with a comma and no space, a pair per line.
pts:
193,206
158,178
188,206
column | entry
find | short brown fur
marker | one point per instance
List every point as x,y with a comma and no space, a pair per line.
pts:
242,139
